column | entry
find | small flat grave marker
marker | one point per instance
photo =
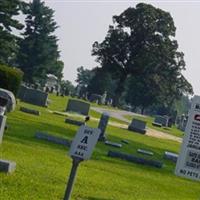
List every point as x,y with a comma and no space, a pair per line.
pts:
171,156
135,159
53,139
74,122
145,152
125,141
30,111
113,144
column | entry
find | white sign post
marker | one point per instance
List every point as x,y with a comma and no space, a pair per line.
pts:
81,149
188,163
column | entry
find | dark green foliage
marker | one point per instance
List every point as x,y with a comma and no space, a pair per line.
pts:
84,76
10,78
38,54
8,48
141,46
67,87
101,82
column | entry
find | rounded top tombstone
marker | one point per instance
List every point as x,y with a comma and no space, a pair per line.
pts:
11,102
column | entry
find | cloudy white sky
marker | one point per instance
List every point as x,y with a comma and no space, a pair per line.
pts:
83,22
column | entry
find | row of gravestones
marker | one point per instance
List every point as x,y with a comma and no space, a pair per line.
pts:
136,125
7,104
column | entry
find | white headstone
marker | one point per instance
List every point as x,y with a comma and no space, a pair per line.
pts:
188,164
84,142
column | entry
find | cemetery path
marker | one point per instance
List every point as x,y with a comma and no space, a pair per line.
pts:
119,114
150,132
159,134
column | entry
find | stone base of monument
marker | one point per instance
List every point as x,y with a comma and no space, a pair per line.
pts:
142,131
145,152
2,126
113,144
134,159
171,156
30,111
7,166
74,122
53,139
157,124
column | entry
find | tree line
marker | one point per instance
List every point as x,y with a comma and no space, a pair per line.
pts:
139,62
35,49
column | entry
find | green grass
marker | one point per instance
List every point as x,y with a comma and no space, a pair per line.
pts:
43,168
173,130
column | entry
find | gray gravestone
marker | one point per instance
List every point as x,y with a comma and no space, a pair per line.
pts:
134,159
125,141
74,122
7,166
78,106
33,96
137,126
2,126
9,96
145,152
161,121
113,144
102,125
95,98
171,156
30,111
53,139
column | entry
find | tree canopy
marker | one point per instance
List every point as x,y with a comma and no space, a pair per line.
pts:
8,47
38,53
141,46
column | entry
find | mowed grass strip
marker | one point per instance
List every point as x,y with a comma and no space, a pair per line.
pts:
43,168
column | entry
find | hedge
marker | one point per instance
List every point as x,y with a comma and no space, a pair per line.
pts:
10,78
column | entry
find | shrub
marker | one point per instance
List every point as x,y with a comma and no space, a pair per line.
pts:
10,78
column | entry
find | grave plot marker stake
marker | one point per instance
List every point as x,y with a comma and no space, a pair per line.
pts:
81,149
70,184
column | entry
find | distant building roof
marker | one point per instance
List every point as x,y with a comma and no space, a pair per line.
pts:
52,76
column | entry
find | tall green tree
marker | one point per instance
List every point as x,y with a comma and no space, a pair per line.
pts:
84,76
101,82
8,47
141,44
38,53
67,87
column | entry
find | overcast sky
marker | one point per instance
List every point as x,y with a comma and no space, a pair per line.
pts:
83,22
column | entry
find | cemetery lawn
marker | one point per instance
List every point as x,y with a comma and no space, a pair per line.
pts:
43,168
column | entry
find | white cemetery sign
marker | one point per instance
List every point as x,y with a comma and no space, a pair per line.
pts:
84,142
188,163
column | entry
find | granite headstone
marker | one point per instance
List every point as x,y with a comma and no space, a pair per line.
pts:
137,126
33,96
78,106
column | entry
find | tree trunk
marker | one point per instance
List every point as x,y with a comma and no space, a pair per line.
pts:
142,110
